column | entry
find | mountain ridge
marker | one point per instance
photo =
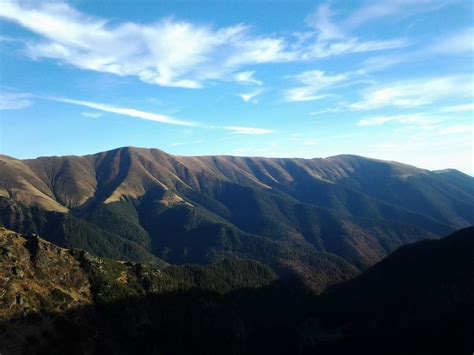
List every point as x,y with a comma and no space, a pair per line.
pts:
319,219
447,170
333,165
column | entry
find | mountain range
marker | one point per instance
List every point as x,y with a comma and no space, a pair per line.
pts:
316,222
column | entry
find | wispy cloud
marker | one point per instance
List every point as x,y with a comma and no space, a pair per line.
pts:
325,49
8,39
455,129
167,53
150,116
421,129
250,96
459,108
314,81
456,43
176,144
173,53
332,39
130,112
463,131
92,114
248,130
415,93
302,93
383,62
321,21
412,119
14,101
328,110
395,9
246,77
459,42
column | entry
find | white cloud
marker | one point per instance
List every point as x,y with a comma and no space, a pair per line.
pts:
456,129
126,112
415,93
459,108
325,49
176,144
248,130
92,114
327,110
382,62
169,52
395,9
314,81
8,39
321,22
250,96
331,39
303,93
456,43
445,129
413,119
246,77
14,101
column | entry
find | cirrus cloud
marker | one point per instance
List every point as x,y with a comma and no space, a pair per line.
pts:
313,82
14,101
250,96
248,130
412,119
123,111
414,93
169,52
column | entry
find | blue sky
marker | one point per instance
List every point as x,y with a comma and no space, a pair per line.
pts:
388,79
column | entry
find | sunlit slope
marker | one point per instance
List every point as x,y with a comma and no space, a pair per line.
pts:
308,217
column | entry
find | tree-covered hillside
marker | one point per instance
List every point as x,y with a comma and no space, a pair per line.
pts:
319,220
418,300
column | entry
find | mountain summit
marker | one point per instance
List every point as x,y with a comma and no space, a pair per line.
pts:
322,220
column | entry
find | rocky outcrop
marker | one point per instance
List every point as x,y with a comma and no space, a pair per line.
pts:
37,276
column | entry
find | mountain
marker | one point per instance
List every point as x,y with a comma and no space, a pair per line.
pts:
418,300
320,221
34,277
55,300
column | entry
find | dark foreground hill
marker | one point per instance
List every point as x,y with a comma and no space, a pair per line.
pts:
419,300
321,221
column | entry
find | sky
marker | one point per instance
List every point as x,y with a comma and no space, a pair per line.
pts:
390,79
